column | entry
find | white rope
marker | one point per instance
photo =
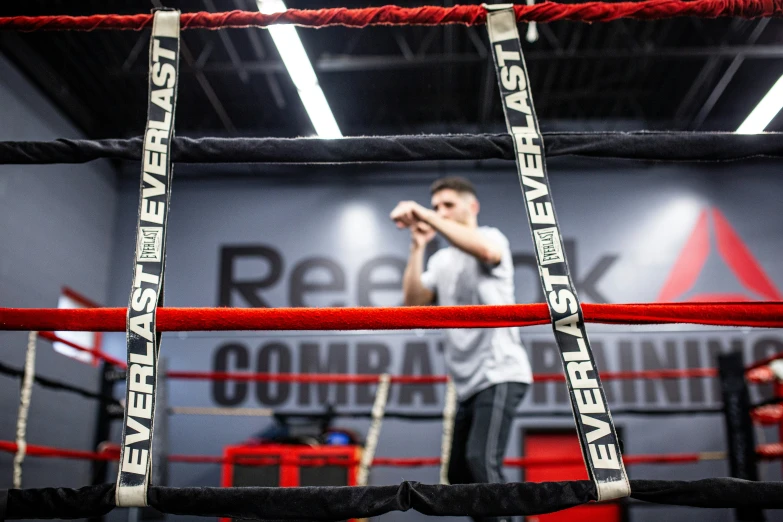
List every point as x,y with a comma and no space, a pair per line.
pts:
532,30
243,412
777,369
712,455
24,408
374,433
449,412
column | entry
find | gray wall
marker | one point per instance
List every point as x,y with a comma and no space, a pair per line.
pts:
70,225
631,218
57,230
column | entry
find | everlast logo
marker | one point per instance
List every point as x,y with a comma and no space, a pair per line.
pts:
150,243
548,245
733,253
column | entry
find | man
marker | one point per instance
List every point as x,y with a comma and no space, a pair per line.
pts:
489,367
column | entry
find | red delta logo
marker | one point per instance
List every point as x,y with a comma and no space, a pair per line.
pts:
733,252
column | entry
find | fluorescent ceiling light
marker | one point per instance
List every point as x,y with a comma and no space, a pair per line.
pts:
301,71
768,108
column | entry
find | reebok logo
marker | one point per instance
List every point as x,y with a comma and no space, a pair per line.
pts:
733,252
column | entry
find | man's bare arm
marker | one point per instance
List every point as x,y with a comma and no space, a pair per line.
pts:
413,291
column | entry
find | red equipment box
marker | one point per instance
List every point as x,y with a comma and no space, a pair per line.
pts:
283,465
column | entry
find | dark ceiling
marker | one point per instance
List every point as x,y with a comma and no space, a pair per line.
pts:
685,73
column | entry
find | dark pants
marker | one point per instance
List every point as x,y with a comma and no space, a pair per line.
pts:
481,430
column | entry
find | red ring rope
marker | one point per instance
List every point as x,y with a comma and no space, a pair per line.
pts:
46,451
760,375
427,15
305,377
51,336
676,373
772,450
765,362
754,314
769,414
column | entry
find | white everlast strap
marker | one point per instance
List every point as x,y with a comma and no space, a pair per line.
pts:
449,412
374,433
597,435
24,408
143,340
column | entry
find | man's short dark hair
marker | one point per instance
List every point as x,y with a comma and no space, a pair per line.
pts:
456,183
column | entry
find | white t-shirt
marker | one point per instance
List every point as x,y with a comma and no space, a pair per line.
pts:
477,358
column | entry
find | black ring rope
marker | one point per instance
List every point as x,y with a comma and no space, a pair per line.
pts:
61,386
648,146
340,503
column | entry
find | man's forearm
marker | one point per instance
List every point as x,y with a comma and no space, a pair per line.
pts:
414,293
467,239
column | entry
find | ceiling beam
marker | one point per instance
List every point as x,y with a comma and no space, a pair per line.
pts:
202,80
728,75
704,76
228,45
253,34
